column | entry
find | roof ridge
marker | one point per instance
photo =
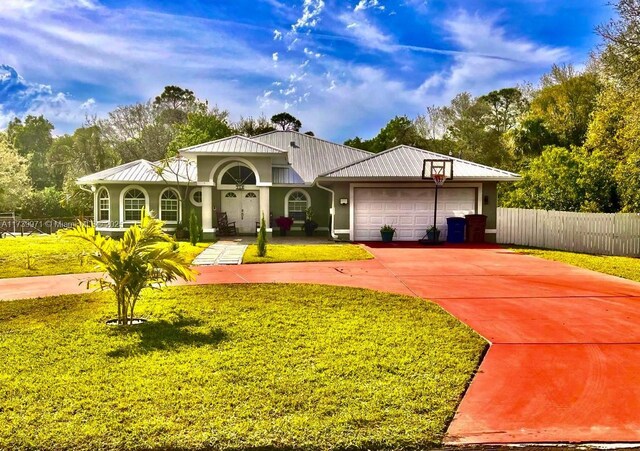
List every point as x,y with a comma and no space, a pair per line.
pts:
457,159
316,138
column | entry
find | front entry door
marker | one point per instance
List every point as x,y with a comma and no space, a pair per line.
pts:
243,207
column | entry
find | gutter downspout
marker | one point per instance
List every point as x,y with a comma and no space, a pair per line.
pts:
332,211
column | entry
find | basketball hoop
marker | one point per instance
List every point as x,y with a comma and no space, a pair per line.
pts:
438,171
438,179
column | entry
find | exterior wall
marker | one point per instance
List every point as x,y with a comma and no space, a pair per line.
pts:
153,193
320,204
490,208
341,189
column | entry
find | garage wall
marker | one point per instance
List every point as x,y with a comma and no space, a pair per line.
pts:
490,208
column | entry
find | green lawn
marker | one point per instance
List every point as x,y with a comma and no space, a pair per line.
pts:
626,267
278,253
48,255
233,367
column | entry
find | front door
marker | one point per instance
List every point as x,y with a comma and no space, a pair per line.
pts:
243,208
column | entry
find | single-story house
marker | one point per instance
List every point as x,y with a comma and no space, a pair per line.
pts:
282,173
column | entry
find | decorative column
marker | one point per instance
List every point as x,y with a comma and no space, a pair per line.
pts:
207,209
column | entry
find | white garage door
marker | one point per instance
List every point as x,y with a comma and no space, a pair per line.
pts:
409,210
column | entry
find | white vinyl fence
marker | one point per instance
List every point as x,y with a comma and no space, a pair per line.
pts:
593,233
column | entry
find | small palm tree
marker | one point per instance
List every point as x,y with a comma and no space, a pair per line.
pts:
145,257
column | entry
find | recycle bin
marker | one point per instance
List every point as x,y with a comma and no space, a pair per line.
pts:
476,226
455,230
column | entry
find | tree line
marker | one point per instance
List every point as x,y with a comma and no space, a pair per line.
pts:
574,136
39,169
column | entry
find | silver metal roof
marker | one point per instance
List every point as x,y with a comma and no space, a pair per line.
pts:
285,176
233,144
310,156
179,170
407,162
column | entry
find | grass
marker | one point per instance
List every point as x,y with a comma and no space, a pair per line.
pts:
53,254
232,367
626,267
278,253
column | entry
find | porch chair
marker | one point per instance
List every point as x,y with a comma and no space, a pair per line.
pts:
225,228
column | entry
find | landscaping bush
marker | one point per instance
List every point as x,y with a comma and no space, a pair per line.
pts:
262,238
48,203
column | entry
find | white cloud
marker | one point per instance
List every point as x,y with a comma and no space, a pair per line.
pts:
366,34
88,104
274,56
368,4
311,53
488,58
311,10
19,98
277,35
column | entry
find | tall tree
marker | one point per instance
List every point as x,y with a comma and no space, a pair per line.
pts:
249,126
32,139
287,122
175,103
398,131
14,177
565,103
622,37
200,128
506,106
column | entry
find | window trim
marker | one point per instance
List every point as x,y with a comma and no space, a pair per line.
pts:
98,206
192,198
179,205
123,193
231,165
286,202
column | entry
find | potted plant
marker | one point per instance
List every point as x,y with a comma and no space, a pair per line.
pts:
284,223
433,234
309,224
387,232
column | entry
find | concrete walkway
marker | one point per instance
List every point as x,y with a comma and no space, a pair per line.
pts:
564,365
221,253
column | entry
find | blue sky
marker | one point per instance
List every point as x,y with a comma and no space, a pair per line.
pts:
343,67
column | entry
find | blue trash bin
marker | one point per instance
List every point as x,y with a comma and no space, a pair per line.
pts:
455,230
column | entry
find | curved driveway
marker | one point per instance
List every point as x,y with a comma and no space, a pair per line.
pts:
564,365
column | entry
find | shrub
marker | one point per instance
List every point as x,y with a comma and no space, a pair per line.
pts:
262,238
195,230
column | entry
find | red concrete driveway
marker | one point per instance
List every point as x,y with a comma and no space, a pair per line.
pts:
564,365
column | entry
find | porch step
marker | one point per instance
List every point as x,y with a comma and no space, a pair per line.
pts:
221,253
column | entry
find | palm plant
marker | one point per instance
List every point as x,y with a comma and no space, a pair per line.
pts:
145,257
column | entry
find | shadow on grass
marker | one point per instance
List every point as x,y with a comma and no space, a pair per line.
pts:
166,336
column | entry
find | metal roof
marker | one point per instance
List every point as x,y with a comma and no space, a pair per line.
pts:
285,176
179,170
407,162
310,156
233,144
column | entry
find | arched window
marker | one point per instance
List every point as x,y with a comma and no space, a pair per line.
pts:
238,176
296,203
134,201
170,205
104,205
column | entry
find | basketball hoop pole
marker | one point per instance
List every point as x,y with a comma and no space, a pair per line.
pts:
435,212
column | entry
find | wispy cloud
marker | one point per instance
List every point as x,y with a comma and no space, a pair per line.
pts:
311,10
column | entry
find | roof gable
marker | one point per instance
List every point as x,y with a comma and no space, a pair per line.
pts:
406,162
233,144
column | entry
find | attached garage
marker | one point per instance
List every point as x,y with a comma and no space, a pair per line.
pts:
409,210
